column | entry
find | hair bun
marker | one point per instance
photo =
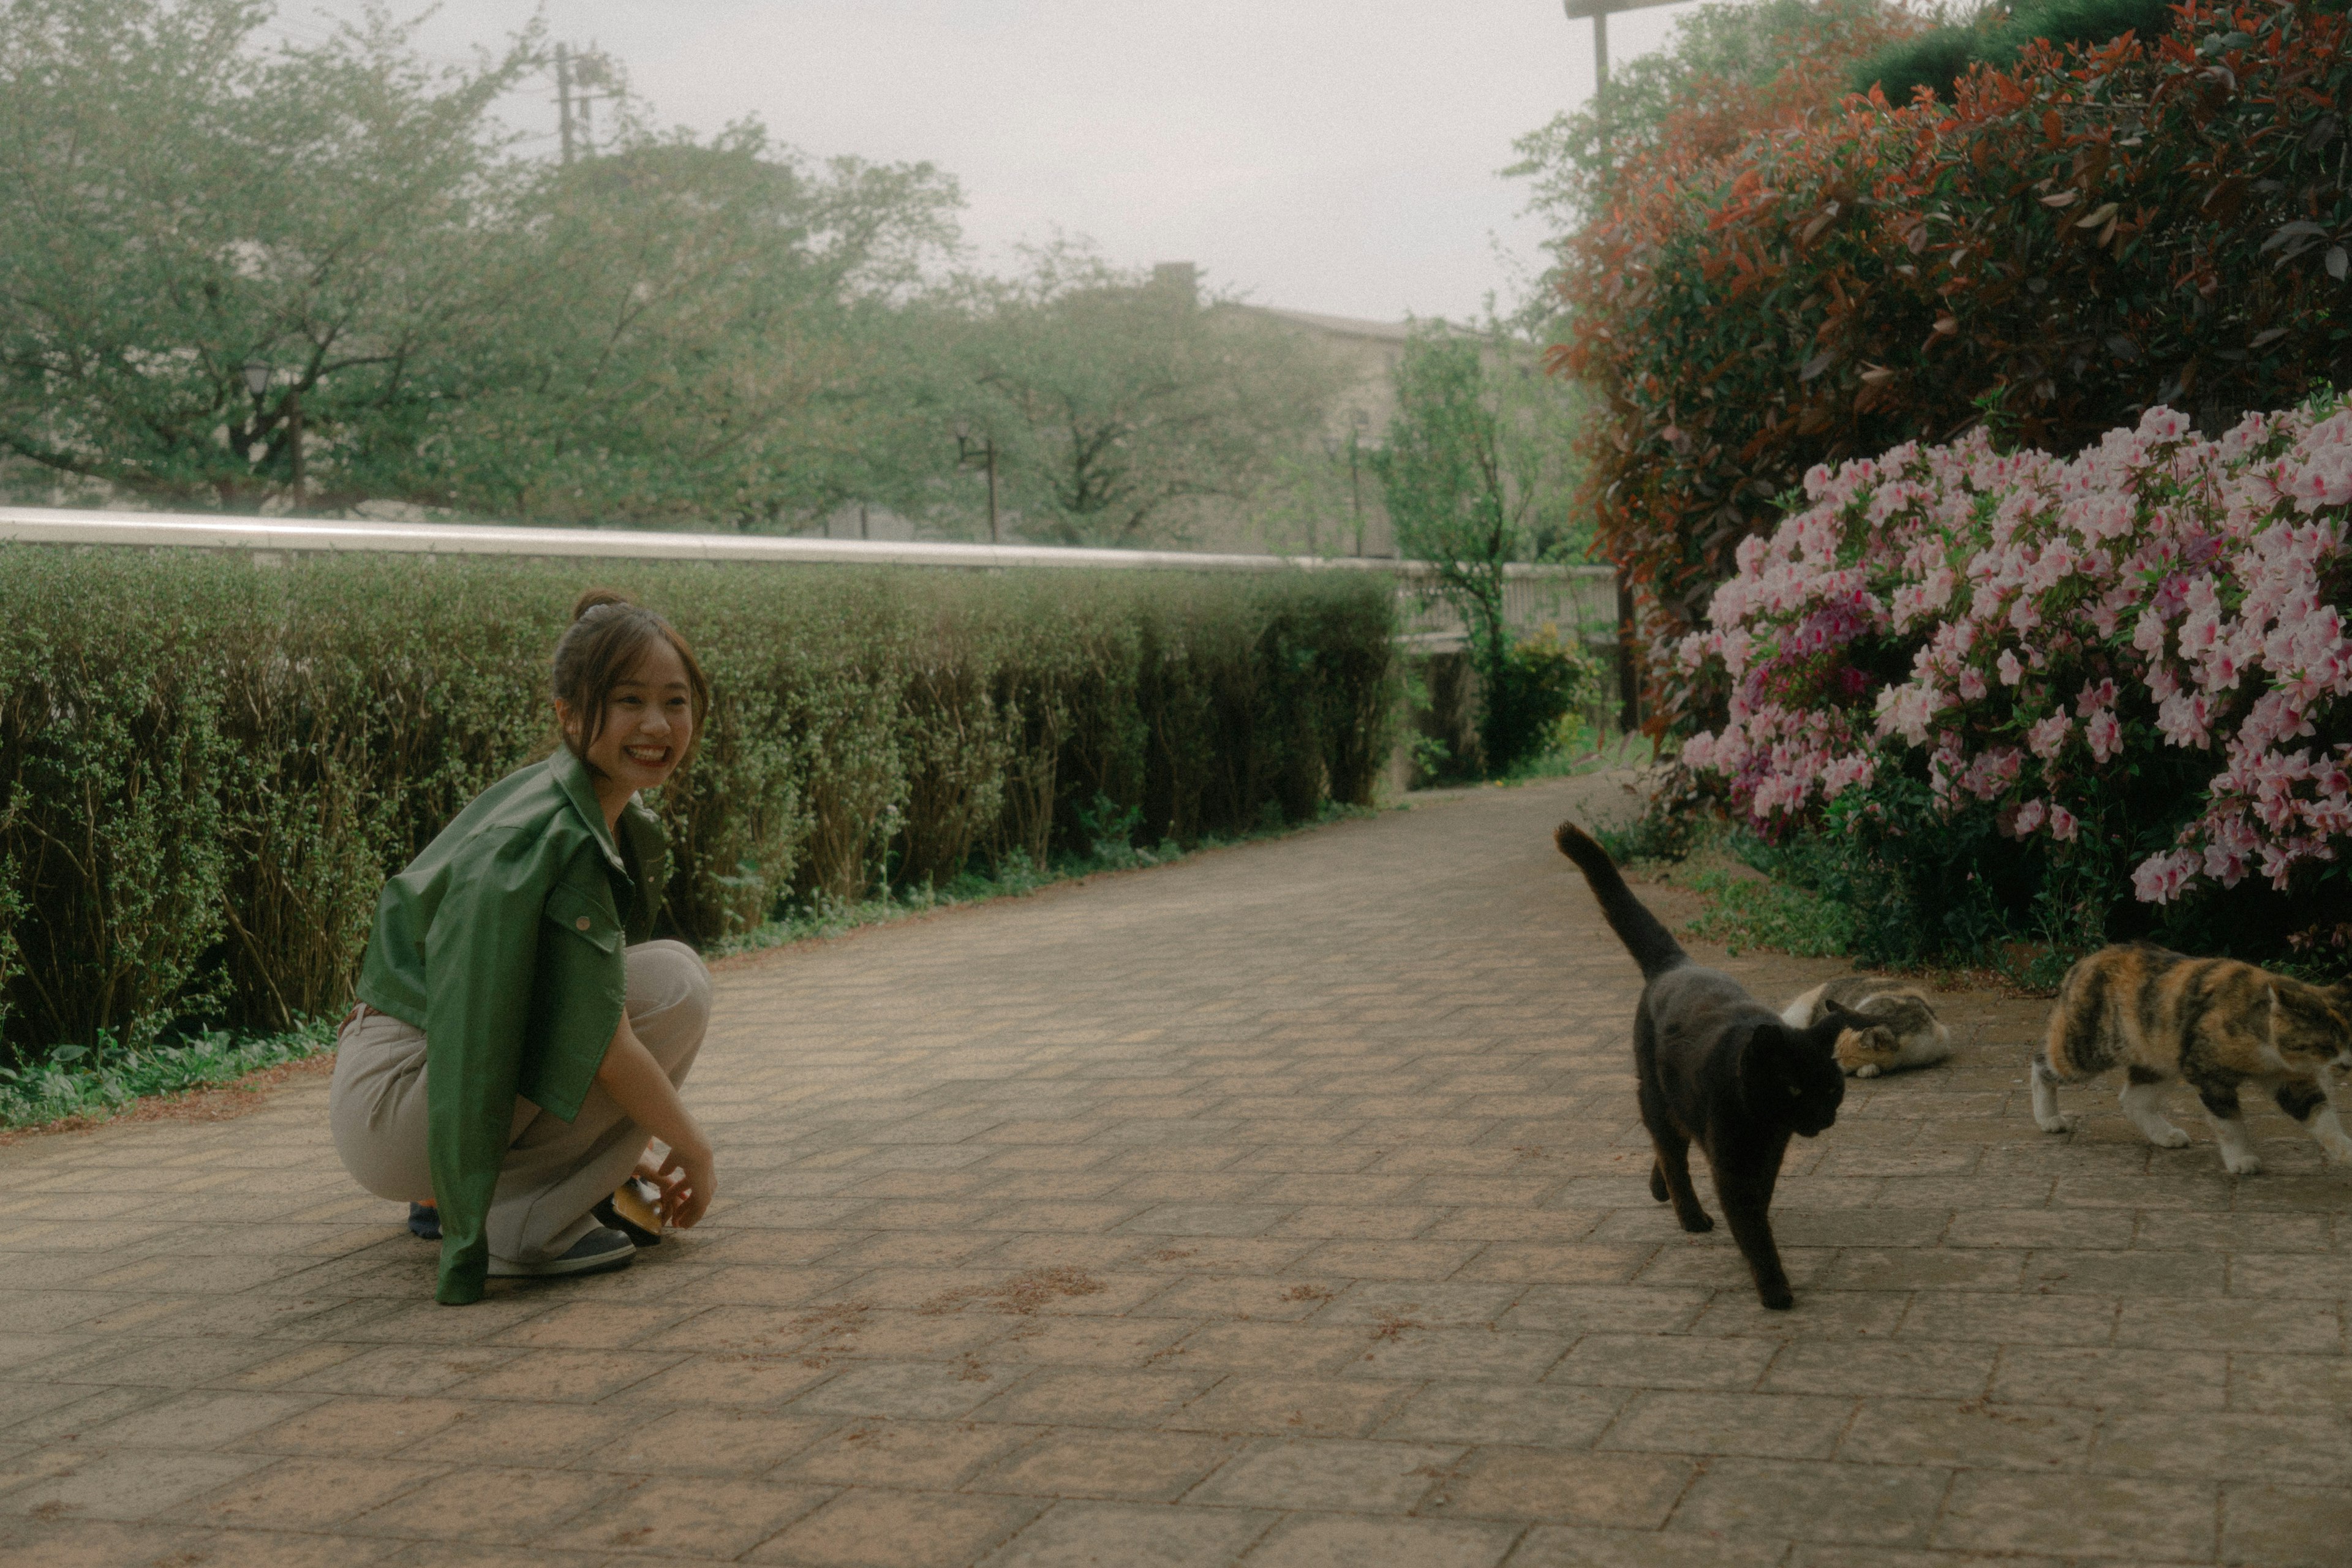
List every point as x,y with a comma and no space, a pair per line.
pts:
596,599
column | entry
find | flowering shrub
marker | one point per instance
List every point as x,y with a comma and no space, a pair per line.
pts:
2135,650
2082,237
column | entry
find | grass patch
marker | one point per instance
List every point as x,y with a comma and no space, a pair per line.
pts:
1747,909
1751,902
82,1082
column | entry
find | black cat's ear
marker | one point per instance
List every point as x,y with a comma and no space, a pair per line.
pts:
1836,1020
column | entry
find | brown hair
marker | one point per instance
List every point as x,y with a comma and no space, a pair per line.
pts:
598,650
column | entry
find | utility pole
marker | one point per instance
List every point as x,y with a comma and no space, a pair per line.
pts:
294,436
1629,688
576,73
563,95
979,454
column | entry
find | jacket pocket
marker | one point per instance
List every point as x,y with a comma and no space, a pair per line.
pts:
584,917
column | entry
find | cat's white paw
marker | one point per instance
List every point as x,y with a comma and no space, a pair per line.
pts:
2056,1121
1867,1070
2241,1165
2169,1138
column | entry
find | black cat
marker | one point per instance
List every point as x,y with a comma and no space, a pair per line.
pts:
1719,1068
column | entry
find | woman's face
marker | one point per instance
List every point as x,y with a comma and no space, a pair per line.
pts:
648,719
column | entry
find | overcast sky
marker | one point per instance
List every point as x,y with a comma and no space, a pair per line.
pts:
1331,155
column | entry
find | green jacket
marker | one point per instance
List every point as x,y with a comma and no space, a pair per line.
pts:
503,942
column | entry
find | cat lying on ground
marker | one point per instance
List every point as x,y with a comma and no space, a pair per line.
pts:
2214,1022
1719,1068
1904,1029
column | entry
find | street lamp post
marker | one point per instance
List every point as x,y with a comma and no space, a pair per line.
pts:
979,454
1356,423
257,382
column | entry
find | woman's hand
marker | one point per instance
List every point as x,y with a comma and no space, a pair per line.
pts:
688,1180
688,1175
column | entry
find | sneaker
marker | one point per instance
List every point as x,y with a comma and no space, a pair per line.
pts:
592,1254
425,1222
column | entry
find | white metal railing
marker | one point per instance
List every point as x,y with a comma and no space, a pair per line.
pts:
45,525
1579,599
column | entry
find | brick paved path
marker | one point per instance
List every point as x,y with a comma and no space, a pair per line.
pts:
1285,1206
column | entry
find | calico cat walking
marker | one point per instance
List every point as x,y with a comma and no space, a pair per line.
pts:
2214,1022
1718,1069
1904,1030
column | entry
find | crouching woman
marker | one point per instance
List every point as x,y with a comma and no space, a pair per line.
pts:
518,1036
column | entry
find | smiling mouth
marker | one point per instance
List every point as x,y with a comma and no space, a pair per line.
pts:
646,756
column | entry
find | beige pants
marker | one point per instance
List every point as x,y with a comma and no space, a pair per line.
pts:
555,1171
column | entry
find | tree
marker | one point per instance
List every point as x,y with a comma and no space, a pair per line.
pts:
1115,402
1729,71
673,331
720,349
180,206
1475,473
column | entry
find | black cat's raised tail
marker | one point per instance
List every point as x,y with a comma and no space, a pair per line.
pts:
1652,945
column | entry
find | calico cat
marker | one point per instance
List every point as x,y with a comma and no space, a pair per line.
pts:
2214,1022
1904,1029
1719,1068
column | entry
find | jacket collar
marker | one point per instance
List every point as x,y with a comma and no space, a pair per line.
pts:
573,777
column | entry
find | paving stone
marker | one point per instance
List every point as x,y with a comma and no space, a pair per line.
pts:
1306,1407
1665,1361
2310,1449
2306,1527
1547,1415
125,1485
688,1516
1343,1542
1576,1546
1768,1425
1141,1467
2136,1519
1927,1369
1302,1183
868,1528
204,1421
1330,1473
1626,1490
1857,1504
307,1494
486,1503
1983,1433
2120,1378
1137,1535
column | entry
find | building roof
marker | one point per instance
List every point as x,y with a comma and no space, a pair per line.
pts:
1344,326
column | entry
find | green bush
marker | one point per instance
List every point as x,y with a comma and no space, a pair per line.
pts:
1937,59
2077,238
210,767
1547,676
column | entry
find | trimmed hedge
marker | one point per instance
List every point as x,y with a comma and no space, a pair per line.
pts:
207,768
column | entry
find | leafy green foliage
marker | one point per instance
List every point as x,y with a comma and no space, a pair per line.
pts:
1937,59
676,331
1472,474
210,767
97,1081
1548,676
1118,404
1729,70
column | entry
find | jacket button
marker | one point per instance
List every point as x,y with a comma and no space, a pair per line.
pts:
582,923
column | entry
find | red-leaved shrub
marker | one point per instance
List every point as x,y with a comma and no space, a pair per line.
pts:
2074,241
